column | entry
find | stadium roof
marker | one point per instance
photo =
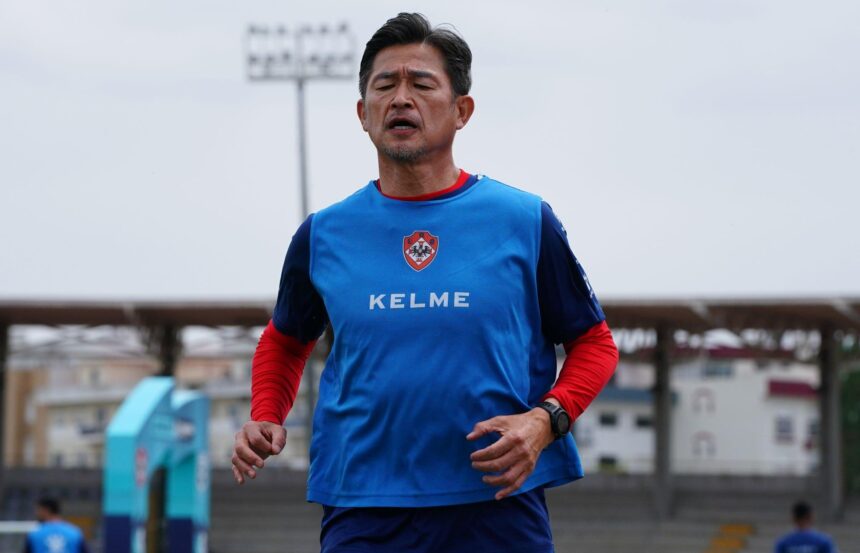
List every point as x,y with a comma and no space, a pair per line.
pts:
135,313
688,314
764,313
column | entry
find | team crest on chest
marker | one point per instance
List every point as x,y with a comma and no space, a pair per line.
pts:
419,249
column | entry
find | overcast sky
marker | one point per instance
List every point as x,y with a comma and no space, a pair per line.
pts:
691,148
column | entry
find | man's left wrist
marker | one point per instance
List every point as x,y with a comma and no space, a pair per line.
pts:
559,420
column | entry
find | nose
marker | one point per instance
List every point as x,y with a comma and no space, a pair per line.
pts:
402,98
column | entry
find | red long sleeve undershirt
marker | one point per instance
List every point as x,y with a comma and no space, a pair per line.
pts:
279,360
276,372
590,362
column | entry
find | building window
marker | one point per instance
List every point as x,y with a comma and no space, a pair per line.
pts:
644,421
608,418
704,401
234,412
704,444
607,463
584,435
813,436
717,370
784,430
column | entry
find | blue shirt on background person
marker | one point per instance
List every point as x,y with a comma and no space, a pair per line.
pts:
804,539
54,535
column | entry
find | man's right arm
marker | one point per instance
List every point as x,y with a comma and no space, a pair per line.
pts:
298,320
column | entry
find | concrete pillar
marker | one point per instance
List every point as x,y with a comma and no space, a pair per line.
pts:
169,349
663,485
831,473
4,352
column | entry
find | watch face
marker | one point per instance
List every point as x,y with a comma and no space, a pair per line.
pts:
563,423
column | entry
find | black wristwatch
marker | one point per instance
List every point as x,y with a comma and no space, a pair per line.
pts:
558,417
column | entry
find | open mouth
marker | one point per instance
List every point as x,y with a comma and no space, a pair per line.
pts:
401,124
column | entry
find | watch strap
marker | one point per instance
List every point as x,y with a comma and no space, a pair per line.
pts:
555,411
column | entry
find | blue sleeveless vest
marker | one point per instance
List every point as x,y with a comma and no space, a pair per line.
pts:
434,308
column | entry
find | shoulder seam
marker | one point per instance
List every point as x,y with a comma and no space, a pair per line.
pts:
312,222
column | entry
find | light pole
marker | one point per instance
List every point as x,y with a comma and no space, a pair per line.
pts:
299,55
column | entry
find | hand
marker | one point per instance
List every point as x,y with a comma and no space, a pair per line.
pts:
516,453
254,443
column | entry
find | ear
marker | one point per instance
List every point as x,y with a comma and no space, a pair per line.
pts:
359,108
465,106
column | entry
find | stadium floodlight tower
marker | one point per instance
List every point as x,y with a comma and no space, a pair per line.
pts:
299,55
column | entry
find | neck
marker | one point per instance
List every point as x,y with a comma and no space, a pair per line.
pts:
417,178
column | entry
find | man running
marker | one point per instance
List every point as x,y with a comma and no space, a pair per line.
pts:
441,418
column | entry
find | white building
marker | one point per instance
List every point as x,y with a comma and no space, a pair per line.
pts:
741,416
730,415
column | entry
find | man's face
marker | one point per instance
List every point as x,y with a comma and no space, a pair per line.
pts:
409,110
42,514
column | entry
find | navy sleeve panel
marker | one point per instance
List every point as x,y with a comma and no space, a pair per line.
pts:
568,306
299,311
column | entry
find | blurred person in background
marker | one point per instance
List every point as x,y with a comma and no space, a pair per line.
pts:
54,535
804,539
441,416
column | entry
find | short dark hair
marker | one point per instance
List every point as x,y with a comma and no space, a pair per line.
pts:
801,510
50,504
412,28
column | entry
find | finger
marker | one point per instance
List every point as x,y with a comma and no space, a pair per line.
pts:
278,438
508,478
259,442
243,467
494,450
238,475
483,428
245,448
500,464
513,487
248,455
